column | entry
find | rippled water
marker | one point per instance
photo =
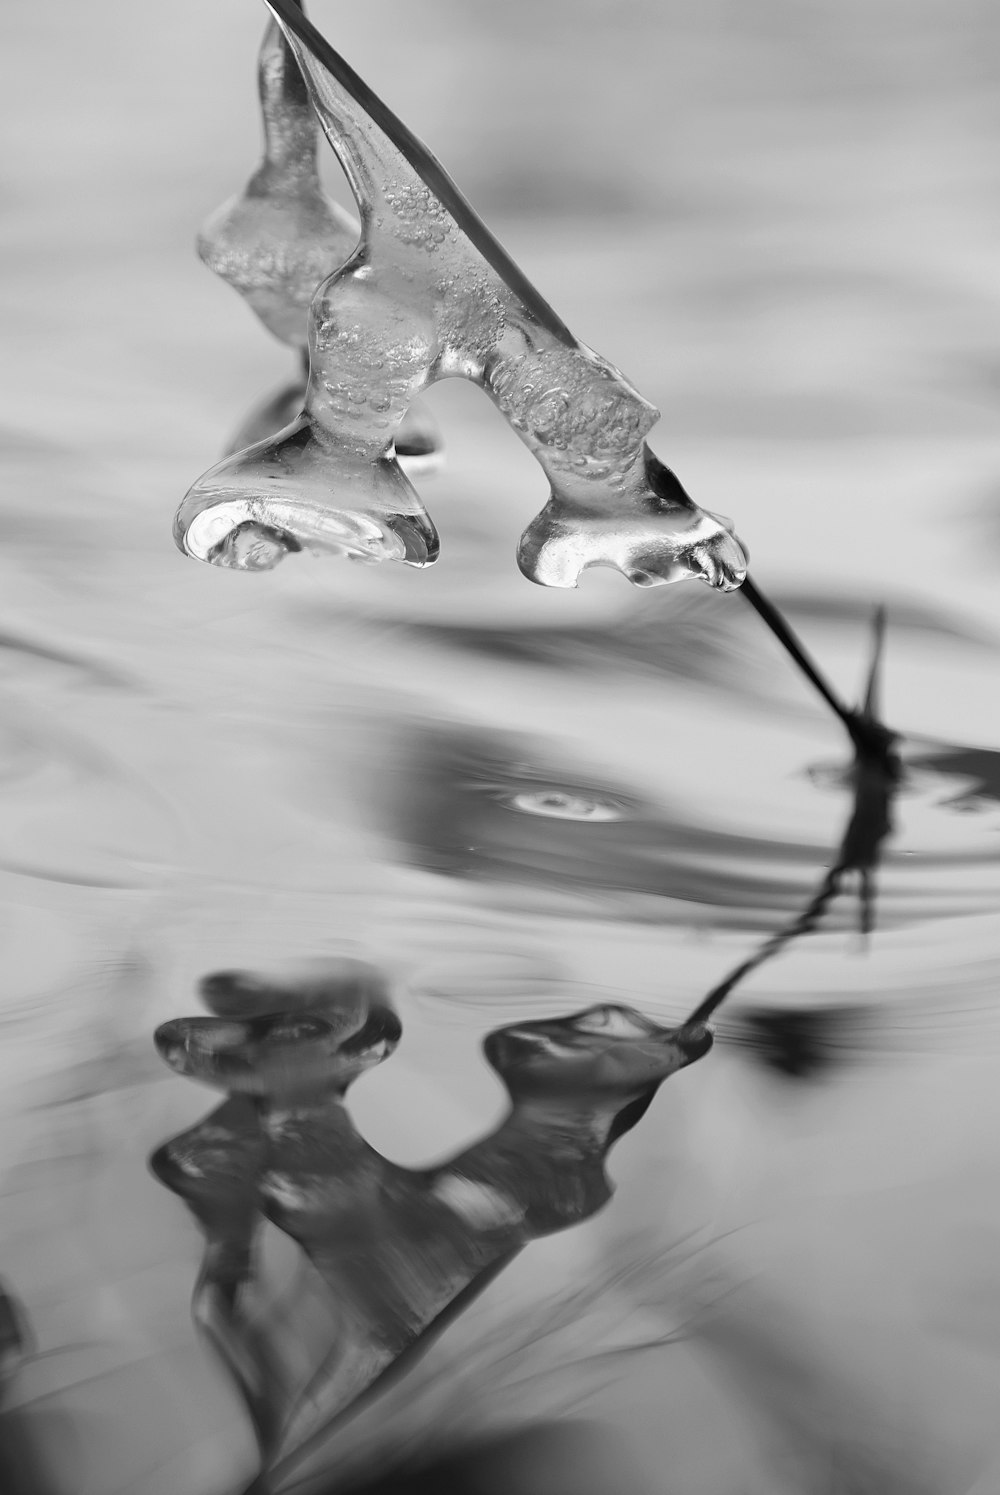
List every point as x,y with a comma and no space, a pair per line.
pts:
781,222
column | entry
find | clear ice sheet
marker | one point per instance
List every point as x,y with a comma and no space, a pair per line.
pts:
429,294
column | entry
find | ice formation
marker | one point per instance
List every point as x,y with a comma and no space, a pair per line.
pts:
428,294
275,241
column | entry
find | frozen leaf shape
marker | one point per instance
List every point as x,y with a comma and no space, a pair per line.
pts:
428,294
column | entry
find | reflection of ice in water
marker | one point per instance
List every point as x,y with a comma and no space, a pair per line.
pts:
396,1249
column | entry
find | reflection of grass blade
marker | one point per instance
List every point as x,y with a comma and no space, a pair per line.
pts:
870,704
403,1362
875,777
803,923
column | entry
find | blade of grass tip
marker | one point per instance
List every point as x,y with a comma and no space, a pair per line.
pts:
783,632
871,703
878,773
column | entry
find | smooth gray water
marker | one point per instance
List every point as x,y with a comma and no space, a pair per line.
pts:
781,222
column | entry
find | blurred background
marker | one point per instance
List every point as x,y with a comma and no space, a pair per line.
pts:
780,219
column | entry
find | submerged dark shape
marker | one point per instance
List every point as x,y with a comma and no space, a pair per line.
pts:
20,1470
278,238
12,1340
398,1250
540,1457
798,1042
980,766
430,294
875,778
503,809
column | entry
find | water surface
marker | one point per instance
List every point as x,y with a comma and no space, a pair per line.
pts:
780,222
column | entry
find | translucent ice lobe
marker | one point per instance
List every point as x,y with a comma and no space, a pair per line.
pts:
275,241
291,493
278,238
649,529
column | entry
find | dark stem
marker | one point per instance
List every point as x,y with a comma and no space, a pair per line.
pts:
428,168
803,923
783,632
876,775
